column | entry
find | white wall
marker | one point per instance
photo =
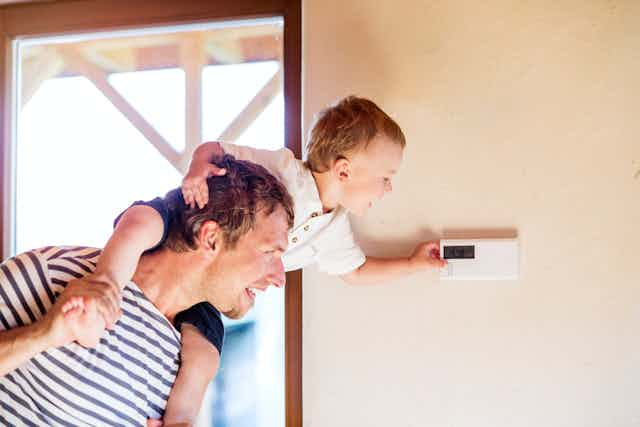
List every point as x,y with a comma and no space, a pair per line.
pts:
519,116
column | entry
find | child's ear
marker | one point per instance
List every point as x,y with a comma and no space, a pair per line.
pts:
210,237
342,168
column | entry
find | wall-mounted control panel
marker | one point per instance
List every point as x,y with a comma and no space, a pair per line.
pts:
480,259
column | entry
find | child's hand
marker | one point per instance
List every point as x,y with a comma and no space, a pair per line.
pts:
427,255
93,306
194,184
81,313
84,321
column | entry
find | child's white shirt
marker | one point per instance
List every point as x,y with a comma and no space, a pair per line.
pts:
324,239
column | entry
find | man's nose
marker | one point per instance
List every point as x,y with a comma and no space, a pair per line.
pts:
277,276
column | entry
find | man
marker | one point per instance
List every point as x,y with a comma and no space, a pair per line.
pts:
219,254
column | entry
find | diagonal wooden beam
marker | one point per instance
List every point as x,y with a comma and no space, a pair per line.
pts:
79,64
251,112
37,69
225,51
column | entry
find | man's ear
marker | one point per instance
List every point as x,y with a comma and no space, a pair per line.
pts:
210,237
342,169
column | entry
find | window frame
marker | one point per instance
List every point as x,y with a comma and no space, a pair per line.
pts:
70,16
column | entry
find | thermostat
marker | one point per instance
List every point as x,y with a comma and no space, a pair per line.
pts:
480,259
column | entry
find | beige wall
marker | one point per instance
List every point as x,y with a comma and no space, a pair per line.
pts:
519,115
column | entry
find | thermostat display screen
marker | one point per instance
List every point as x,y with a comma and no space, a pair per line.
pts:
459,252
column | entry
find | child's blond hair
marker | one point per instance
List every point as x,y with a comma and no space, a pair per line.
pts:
347,126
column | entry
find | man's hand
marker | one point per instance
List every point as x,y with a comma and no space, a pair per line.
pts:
82,312
194,184
426,256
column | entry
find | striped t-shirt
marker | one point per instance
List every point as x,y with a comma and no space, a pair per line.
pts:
122,382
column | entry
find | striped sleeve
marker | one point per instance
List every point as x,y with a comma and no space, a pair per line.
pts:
70,262
26,293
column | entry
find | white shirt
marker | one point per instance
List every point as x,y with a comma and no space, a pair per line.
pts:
324,239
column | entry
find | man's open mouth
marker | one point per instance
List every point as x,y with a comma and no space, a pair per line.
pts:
251,292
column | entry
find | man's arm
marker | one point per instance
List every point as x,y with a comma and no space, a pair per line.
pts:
378,270
200,361
21,344
73,316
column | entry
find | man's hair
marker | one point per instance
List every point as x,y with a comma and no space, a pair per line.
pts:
348,125
234,201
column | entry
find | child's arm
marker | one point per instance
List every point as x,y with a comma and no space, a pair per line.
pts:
200,361
376,270
140,228
194,184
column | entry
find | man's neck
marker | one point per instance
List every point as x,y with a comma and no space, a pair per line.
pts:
328,191
170,280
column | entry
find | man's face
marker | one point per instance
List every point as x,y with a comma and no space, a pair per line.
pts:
371,171
254,264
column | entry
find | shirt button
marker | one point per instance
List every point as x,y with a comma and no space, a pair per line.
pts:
306,228
294,240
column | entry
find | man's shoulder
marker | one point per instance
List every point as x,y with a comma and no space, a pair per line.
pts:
62,255
43,258
64,263
67,251
31,281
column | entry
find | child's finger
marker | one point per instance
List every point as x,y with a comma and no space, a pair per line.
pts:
199,200
186,195
72,312
190,201
216,171
73,303
204,193
433,245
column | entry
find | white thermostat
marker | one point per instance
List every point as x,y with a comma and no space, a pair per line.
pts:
480,259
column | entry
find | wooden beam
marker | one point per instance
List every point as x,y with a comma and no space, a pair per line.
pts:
225,51
215,34
251,112
112,60
98,77
36,70
192,59
292,65
78,16
6,183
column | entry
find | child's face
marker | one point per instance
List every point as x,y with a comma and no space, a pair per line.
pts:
369,174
